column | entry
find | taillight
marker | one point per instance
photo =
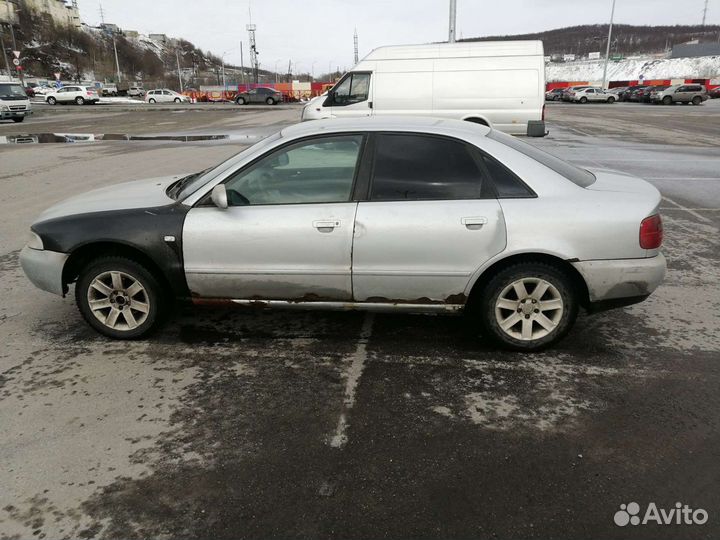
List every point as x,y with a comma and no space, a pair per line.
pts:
651,232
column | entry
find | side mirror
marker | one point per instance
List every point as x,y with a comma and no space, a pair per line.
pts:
219,196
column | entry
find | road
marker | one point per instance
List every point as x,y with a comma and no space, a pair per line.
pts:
229,424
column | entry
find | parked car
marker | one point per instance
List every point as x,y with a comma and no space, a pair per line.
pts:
571,89
80,95
109,89
682,93
592,93
554,95
714,93
44,89
497,83
653,91
619,92
165,96
14,102
135,91
29,91
269,96
452,217
636,93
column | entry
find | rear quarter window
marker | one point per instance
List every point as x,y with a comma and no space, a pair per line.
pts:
576,175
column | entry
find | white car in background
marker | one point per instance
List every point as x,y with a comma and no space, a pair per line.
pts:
80,95
592,93
165,96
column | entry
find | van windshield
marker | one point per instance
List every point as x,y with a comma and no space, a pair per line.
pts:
12,91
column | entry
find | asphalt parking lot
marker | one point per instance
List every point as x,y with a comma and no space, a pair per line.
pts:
234,424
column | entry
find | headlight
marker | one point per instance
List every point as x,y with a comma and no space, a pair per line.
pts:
4,108
35,242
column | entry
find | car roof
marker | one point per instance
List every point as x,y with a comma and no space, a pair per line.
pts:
439,126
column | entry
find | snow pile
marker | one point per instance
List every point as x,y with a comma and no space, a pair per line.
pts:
630,69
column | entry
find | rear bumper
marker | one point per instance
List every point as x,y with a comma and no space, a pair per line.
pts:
44,268
614,280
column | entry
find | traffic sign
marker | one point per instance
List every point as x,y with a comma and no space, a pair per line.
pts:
17,54
16,61
57,75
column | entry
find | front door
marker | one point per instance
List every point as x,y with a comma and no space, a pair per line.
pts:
430,222
287,233
351,96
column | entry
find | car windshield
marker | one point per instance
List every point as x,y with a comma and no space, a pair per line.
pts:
576,175
12,91
185,187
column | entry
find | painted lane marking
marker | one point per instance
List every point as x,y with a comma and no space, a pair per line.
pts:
688,210
354,372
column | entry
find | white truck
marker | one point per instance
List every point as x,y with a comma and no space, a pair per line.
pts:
500,84
14,102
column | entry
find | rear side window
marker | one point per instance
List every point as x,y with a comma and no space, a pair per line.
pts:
422,167
507,184
576,175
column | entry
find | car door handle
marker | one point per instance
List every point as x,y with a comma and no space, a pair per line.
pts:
474,223
326,225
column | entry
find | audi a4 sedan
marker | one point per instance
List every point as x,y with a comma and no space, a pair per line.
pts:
383,214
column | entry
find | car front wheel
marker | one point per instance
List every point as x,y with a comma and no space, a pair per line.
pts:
583,100
528,306
240,101
151,100
270,101
119,297
79,100
697,100
611,100
51,101
667,100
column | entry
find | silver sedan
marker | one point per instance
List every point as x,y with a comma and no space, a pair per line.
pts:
384,214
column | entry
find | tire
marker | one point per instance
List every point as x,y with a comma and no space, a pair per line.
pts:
101,280
611,100
18,119
499,303
51,101
177,100
697,100
240,101
79,101
152,100
667,100
270,101
583,100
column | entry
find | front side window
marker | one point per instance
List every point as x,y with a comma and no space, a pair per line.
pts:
352,89
320,170
423,167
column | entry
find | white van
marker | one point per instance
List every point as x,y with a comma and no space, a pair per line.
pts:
14,103
497,83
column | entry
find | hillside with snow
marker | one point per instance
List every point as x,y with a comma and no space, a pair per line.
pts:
704,67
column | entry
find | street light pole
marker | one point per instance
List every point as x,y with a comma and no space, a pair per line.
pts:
607,50
117,62
453,17
177,57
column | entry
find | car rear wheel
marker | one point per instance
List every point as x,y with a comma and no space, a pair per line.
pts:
583,100
611,99
151,100
667,100
528,306
177,100
270,101
240,101
119,297
51,101
79,101
697,100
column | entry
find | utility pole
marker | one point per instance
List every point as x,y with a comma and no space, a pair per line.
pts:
117,62
705,12
7,64
253,48
453,17
607,50
177,57
355,42
242,64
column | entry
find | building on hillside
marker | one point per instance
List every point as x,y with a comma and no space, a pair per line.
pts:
61,12
131,34
8,13
694,49
110,28
162,38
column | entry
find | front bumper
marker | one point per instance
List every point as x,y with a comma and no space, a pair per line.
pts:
623,278
44,268
15,114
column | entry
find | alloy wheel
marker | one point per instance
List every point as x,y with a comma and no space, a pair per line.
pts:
529,309
118,300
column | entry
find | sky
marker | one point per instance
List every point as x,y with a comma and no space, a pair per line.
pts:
318,34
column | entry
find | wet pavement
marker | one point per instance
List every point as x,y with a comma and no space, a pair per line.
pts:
246,424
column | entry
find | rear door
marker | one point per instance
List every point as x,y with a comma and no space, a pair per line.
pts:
430,221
